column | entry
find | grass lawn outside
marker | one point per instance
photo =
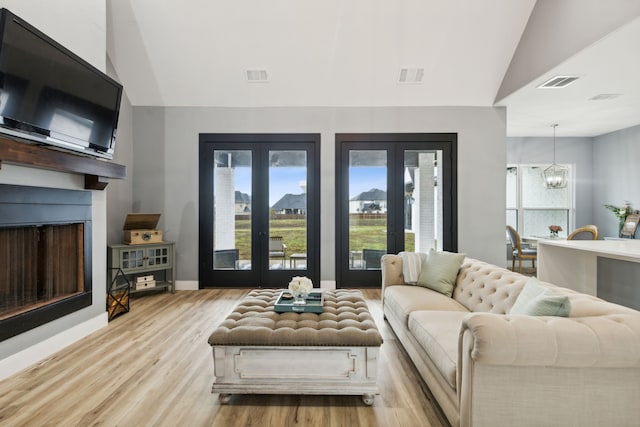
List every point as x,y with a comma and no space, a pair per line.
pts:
370,233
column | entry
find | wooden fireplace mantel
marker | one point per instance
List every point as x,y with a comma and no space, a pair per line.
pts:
96,172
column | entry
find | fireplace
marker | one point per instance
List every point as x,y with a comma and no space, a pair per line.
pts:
45,256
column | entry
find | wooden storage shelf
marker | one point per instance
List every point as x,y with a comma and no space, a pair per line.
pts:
159,285
157,259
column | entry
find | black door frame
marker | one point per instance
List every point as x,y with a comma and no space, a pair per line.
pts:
259,144
394,143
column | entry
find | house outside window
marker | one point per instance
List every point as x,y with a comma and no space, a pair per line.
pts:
372,201
532,208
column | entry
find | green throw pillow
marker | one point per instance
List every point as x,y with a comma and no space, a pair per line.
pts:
439,271
539,300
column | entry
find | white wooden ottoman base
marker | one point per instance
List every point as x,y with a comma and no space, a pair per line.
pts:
259,351
295,370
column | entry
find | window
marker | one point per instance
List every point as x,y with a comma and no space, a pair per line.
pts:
531,207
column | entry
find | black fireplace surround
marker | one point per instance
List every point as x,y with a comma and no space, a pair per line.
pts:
25,206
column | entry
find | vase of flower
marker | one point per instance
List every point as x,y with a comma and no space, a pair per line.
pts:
554,229
300,288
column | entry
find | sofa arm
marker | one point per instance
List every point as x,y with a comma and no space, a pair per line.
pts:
391,266
525,370
600,341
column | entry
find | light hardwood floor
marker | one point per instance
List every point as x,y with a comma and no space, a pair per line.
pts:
153,367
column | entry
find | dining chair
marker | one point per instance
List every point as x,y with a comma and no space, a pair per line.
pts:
277,248
587,232
226,259
520,250
371,258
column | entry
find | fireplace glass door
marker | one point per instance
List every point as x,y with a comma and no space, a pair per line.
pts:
39,265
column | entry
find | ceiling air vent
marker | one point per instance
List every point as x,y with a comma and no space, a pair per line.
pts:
410,76
558,82
257,76
605,96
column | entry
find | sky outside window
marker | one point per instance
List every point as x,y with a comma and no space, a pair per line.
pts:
287,180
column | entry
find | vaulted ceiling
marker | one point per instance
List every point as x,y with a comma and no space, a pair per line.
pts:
351,53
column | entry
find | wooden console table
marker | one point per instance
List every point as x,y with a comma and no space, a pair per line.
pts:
157,259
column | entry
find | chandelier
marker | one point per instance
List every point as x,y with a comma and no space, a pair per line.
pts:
555,176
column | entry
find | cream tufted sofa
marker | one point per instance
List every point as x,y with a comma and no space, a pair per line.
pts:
488,368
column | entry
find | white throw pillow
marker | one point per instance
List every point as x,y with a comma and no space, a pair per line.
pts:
412,265
539,300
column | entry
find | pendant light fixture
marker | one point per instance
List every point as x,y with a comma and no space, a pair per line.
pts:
555,176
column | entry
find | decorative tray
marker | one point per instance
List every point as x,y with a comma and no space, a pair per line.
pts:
312,303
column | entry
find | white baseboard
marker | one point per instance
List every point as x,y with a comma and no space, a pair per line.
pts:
34,354
187,285
327,284
192,285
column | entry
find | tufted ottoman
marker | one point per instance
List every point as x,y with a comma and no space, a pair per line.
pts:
256,350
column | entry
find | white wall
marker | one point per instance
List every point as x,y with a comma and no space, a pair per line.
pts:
558,29
120,191
574,151
166,165
616,176
84,32
78,25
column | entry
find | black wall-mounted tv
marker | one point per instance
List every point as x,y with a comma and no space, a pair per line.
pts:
50,95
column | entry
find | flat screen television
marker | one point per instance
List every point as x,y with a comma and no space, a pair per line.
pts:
50,95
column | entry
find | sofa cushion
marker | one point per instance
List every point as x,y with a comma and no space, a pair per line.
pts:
486,287
538,300
437,333
439,271
404,299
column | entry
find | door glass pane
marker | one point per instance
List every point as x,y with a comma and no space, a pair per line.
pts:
288,209
422,200
232,210
367,208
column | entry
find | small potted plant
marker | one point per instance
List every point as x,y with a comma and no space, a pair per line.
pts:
554,230
621,213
